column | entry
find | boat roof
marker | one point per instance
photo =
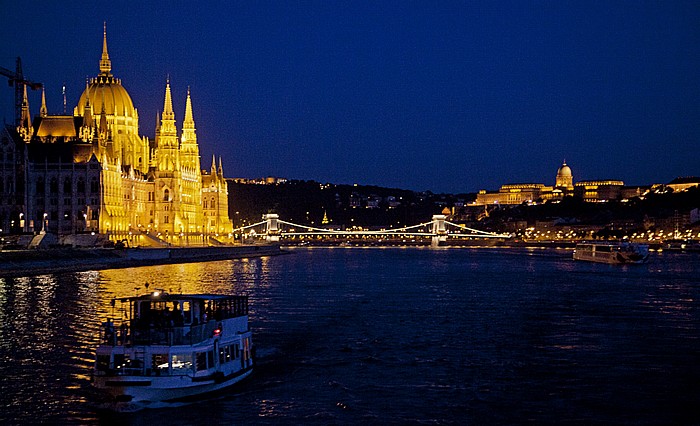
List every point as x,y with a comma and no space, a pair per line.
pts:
160,295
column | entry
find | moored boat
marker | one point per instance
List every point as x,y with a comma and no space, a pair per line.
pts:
612,252
172,347
684,245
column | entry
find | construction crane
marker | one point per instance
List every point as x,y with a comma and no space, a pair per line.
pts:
16,79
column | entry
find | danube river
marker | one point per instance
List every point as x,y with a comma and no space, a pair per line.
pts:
389,336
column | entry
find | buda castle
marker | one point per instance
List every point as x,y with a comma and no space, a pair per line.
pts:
589,190
92,173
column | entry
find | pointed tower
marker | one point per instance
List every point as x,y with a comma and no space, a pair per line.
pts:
25,125
166,136
105,63
221,168
103,124
43,112
168,177
189,150
87,111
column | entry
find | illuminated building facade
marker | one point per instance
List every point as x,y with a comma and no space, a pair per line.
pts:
93,172
518,193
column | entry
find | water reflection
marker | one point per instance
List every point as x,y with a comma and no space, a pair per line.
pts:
412,329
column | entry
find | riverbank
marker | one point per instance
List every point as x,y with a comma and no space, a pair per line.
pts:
18,263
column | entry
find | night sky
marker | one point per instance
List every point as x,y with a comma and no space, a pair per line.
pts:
441,96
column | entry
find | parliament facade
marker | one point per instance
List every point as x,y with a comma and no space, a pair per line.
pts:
91,173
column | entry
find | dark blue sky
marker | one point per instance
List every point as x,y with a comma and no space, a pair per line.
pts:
441,96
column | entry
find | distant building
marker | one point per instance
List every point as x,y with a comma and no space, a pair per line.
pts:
270,180
684,183
518,193
591,191
599,190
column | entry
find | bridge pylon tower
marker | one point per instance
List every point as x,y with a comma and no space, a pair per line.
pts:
273,231
438,230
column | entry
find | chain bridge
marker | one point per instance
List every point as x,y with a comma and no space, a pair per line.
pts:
438,230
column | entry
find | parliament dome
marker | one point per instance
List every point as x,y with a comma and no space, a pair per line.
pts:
107,91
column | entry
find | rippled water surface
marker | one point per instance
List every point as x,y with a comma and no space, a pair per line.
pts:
398,336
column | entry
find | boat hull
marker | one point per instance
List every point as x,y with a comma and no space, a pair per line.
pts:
612,253
140,389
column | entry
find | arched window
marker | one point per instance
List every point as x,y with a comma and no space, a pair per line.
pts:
40,186
213,204
67,186
81,186
166,195
94,186
53,185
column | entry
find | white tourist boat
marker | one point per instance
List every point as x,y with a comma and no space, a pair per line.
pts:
172,347
612,252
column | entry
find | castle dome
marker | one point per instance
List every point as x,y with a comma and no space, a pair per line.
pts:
564,179
564,171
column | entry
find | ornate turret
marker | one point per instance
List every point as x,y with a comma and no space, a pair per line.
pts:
43,111
25,125
167,120
221,168
105,63
188,123
189,150
167,145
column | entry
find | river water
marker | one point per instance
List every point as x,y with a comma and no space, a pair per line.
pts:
389,336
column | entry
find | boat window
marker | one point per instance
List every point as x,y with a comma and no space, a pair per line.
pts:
182,363
222,354
201,361
121,360
102,362
159,362
235,350
187,312
210,357
227,353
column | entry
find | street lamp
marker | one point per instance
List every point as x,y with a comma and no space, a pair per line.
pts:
43,224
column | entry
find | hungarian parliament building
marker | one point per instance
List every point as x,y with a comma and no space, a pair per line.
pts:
91,173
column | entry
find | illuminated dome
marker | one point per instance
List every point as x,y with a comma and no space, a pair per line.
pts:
564,171
106,90
565,178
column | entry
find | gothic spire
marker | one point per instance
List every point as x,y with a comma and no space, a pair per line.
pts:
168,113
221,168
213,164
26,121
43,112
87,110
189,120
105,63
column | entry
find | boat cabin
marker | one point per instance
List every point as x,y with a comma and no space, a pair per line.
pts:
170,319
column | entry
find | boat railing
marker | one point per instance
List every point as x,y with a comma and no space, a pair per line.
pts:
133,333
